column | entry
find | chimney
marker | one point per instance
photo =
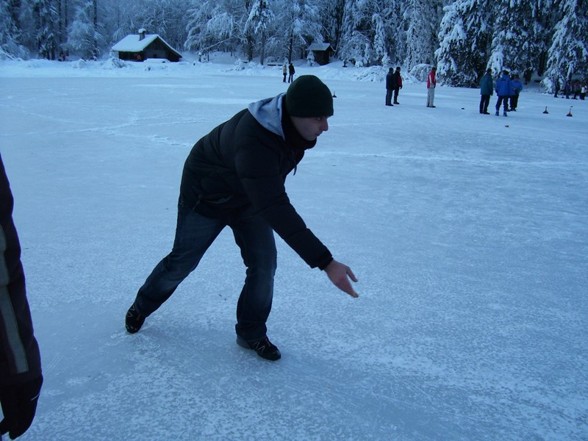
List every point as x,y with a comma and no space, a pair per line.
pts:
142,32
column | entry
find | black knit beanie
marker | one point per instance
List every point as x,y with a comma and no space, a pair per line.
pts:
309,97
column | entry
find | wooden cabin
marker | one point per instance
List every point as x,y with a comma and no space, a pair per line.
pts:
141,46
322,52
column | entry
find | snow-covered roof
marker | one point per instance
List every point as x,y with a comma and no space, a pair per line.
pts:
132,43
319,46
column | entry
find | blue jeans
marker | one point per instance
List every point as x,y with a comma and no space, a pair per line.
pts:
194,235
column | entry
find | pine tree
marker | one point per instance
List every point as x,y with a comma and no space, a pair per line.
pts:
356,44
421,24
167,18
297,25
45,27
9,33
568,54
331,13
543,17
212,25
464,37
513,37
258,23
390,35
368,30
84,36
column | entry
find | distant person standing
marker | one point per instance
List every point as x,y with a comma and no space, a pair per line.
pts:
292,71
567,89
397,82
389,86
517,86
503,91
284,71
431,84
20,362
486,91
576,89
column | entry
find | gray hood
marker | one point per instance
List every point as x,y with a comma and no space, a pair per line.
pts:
268,112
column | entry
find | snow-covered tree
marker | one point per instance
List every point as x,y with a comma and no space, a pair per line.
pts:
356,44
331,13
84,36
45,27
210,25
9,32
421,29
544,16
120,19
369,27
164,17
464,37
568,54
296,25
258,22
513,36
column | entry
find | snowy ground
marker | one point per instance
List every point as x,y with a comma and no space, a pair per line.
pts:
469,234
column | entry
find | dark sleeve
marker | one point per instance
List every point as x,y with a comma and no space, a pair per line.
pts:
20,360
258,168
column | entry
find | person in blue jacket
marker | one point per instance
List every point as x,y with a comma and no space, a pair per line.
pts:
503,91
486,91
235,177
517,86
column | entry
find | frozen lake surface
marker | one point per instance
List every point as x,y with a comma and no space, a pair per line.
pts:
468,233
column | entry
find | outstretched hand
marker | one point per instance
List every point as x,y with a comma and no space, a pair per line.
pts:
339,275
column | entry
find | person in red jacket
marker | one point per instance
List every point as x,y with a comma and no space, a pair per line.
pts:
431,84
235,176
20,361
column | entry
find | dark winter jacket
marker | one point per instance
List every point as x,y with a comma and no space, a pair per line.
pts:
504,86
20,361
396,80
390,81
241,167
486,85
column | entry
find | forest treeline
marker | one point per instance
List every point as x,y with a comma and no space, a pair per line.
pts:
462,38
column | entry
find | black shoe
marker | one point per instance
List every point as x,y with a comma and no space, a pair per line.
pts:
134,320
396,102
264,348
